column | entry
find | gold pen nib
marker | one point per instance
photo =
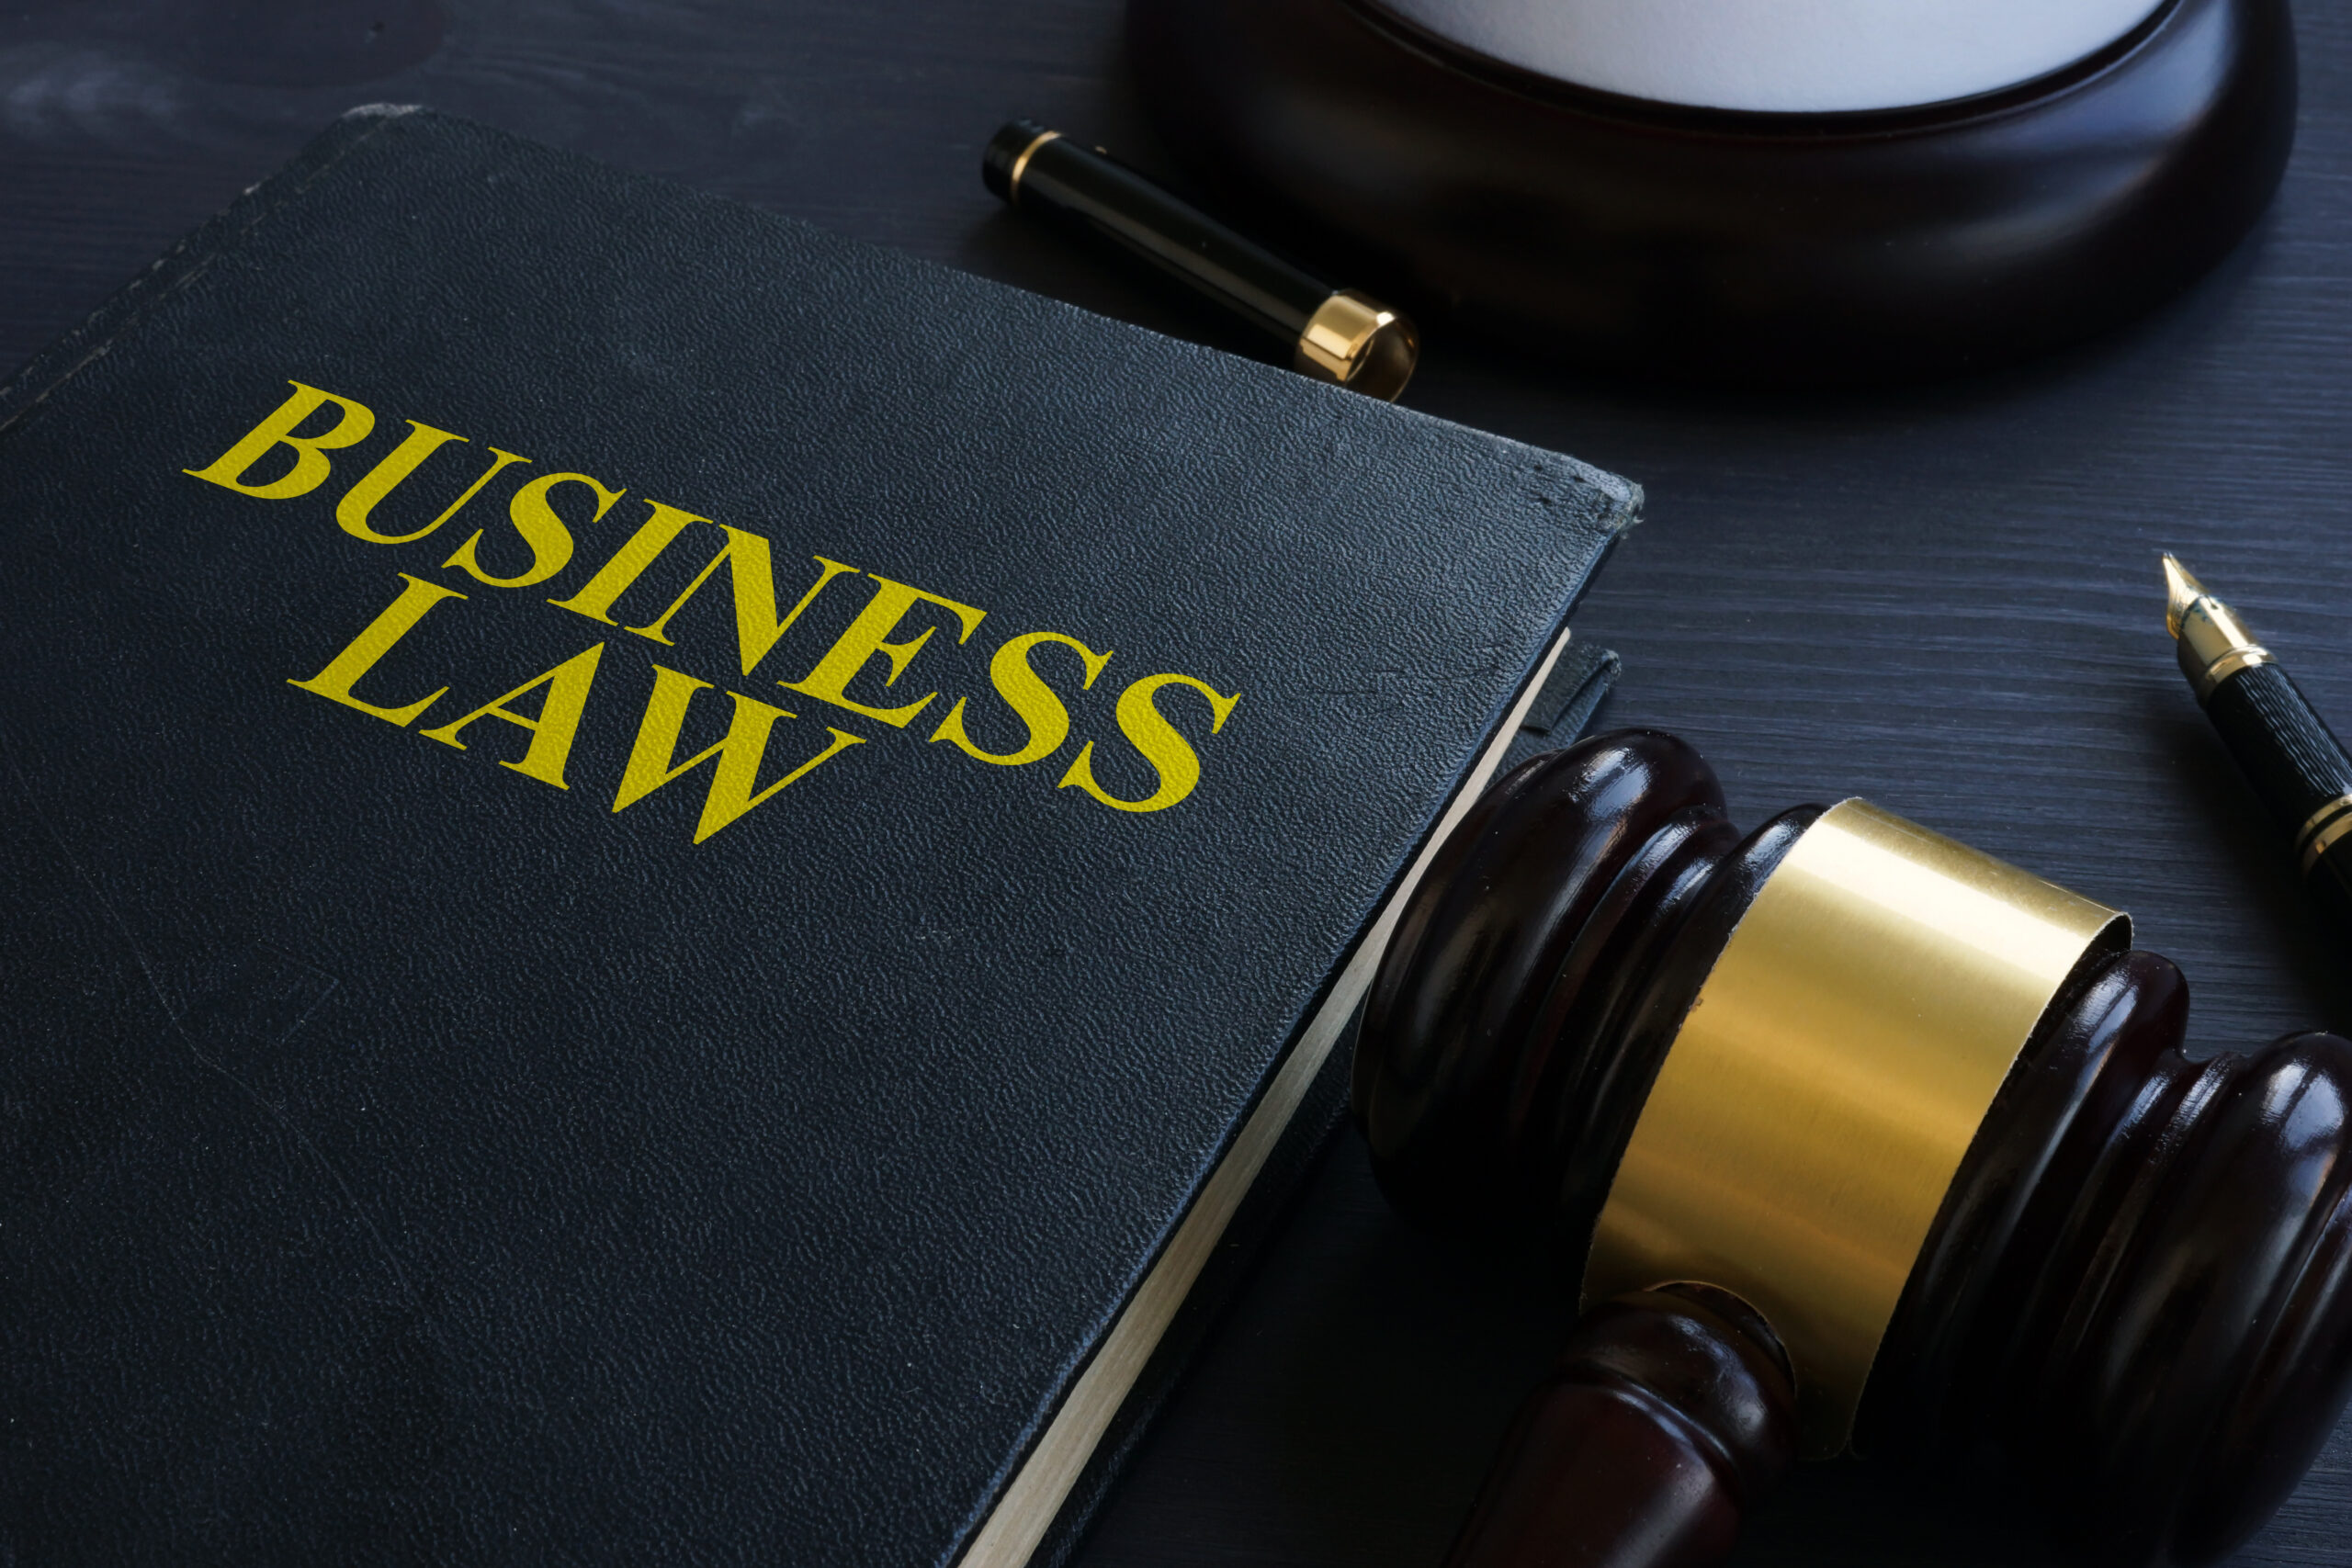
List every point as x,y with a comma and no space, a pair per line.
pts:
2181,590
2211,642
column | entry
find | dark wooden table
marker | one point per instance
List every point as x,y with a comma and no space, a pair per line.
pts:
1944,599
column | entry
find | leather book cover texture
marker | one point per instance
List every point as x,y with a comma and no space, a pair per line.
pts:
653,855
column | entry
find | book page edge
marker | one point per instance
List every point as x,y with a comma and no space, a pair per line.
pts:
1030,1504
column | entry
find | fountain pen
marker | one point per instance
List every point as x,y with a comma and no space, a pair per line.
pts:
1338,335
2288,753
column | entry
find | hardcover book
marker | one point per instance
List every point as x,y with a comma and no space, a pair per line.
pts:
673,882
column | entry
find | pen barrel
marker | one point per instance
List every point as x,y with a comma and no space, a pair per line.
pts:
1332,335
1084,189
2292,758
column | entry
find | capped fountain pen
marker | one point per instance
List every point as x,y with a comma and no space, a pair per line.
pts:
1338,335
2286,750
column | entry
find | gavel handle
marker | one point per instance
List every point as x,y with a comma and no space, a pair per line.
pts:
1668,1417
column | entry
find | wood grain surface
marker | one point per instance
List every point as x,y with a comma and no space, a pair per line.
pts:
1945,599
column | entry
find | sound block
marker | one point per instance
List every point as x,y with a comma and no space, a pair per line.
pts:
1758,192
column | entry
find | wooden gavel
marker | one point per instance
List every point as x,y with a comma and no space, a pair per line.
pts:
1860,1137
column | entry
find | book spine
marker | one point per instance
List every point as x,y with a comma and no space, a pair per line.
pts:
52,366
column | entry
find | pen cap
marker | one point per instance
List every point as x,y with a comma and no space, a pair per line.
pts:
1338,335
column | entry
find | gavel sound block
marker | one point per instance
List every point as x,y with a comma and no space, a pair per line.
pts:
1768,192
1858,1136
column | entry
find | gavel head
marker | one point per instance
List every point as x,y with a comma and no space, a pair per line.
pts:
1909,1130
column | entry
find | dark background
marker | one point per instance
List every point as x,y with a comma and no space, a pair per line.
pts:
1944,598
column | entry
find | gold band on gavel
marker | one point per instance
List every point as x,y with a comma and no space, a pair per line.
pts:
1813,1109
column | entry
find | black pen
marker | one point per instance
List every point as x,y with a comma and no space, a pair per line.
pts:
1338,335
2287,751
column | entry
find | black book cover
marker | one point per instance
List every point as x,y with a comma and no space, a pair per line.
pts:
654,859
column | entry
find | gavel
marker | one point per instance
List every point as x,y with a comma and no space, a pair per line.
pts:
1859,1138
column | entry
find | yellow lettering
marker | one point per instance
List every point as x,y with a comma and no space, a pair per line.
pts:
1029,697
537,522
653,535
757,627
311,461
1149,732
867,638
552,729
422,441
343,671
739,752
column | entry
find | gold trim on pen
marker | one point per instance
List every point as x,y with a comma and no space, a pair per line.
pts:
1354,341
2230,663
1821,1093
2215,645
2322,829
2318,819
1020,166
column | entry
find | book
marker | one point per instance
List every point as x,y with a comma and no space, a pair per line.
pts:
674,881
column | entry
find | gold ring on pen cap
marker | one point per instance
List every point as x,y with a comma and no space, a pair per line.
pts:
1354,341
1021,164
2322,829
